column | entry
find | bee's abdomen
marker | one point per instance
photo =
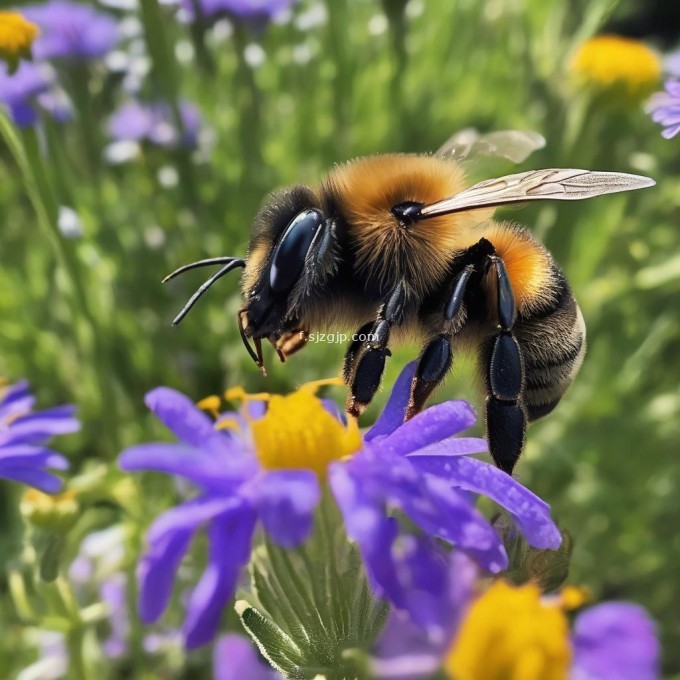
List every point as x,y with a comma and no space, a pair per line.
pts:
553,341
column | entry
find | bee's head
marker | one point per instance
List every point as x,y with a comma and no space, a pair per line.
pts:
280,239
283,231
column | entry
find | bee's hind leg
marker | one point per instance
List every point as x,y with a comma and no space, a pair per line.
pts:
506,416
366,356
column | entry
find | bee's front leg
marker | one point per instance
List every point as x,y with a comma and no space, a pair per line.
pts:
366,357
290,342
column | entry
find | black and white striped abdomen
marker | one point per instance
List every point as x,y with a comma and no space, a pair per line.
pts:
553,342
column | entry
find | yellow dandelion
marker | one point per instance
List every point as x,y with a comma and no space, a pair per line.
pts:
511,633
612,62
16,38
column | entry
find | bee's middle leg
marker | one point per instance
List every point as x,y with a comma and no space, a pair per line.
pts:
437,357
365,359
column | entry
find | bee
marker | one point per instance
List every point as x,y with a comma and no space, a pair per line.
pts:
399,247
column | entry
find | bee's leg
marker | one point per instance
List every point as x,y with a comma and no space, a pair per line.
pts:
437,357
434,364
365,359
350,363
506,417
291,342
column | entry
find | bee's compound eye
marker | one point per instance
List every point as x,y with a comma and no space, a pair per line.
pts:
290,252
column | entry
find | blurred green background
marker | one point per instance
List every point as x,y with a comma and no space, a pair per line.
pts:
86,319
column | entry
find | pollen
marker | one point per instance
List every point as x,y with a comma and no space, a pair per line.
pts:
16,37
511,633
297,432
611,61
210,404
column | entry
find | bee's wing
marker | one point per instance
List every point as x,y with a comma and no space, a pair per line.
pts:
515,145
557,184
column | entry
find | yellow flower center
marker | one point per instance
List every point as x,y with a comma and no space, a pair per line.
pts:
16,37
511,634
610,61
296,432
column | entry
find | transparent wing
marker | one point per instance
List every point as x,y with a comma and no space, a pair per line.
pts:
515,145
557,184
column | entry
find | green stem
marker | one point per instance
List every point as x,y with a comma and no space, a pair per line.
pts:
343,80
78,79
61,601
166,75
75,642
336,591
26,153
250,116
396,16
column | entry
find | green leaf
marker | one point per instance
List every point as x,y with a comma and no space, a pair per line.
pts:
277,647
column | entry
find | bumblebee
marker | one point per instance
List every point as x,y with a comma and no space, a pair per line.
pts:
398,247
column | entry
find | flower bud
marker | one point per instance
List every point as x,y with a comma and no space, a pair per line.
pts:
55,514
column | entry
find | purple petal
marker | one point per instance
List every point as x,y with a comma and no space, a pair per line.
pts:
374,532
531,514
454,446
184,419
15,398
615,641
190,515
37,427
673,87
441,512
219,470
393,414
423,573
230,538
286,502
334,410
32,476
35,456
235,658
671,132
256,408
407,652
463,574
432,425
157,572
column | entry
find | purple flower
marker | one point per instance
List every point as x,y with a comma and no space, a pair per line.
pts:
254,12
71,30
665,108
31,89
24,456
615,641
155,123
610,641
266,469
235,658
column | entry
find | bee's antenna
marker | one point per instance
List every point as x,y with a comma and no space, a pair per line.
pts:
196,265
233,264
